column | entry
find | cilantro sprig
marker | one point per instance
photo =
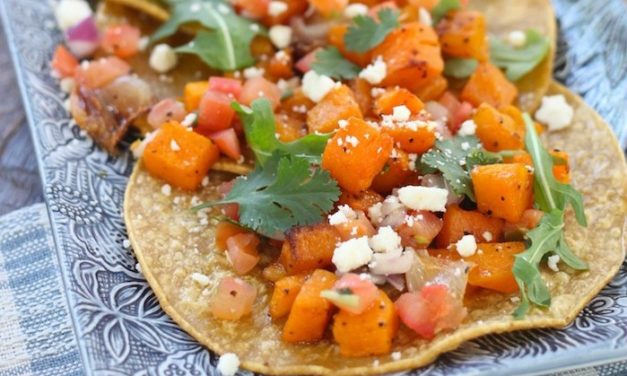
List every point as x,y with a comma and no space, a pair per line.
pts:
517,62
552,197
331,63
260,131
366,33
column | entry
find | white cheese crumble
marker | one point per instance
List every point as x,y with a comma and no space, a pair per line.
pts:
555,112
143,43
70,12
138,149
253,72
276,8
517,38
67,84
424,17
280,35
466,246
228,364
390,212
423,198
487,235
352,254
354,10
401,113
396,355
375,72
174,145
316,86
162,58
395,261
166,189
126,243
385,240
189,119
552,262
205,181
468,128
201,279
343,214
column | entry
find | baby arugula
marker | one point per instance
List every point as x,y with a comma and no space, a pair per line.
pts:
517,62
366,33
551,197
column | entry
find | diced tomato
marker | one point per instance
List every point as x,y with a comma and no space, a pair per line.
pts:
352,293
100,72
227,142
230,210
214,113
252,8
458,111
304,64
420,230
63,62
164,111
259,87
229,86
233,300
329,8
225,230
356,227
121,40
430,311
241,250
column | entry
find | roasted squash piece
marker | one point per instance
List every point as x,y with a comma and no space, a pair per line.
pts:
458,222
393,97
336,38
360,201
497,131
193,93
488,84
395,173
338,104
285,291
463,34
308,247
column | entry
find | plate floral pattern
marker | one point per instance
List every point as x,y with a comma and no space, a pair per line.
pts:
120,328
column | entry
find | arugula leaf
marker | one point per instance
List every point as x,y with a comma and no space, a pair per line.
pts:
260,131
519,61
365,33
442,8
460,68
284,193
331,63
225,45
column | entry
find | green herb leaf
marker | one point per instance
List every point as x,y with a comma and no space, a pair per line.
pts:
330,62
260,131
442,8
482,157
517,62
460,68
365,33
225,45
284,193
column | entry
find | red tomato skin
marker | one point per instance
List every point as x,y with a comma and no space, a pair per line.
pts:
227,142
242,252
425,228
304,64
233,300
463,113
214,113
99,73
259,87
63,62
364,288
121,40
229,86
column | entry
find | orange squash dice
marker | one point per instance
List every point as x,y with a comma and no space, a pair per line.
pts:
359,201
503,190
458,222
193,93
183,168
308,247
520,156
336,38
496,130
463,34
385,103
356,154
224,230
412,56
412,137
488,84
310,313
363,95
285,291
338,104
368,333
433,89
394,175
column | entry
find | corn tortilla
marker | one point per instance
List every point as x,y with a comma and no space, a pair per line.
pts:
171,242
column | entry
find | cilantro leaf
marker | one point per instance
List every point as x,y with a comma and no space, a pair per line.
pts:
365,33
260,131
481,157
442,8
284,193
330,62
460,68
225,45
517,62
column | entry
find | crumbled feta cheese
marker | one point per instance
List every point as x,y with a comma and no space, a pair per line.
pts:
138,267
344,214
376,91
423,198
163,58
401,113
70,12
424,17
166,189
342,123
143,43
390,212
386,239
316,86
354,10
205,181
468,128
223,8
352,140
67,84
465,146
138,148
517,38
280,35
276,8
126,243
352,254
253,72
466,246
487,235
552,262
395,261
228,364
189,119
201,279
396,355
375,72
555,112
174,145
67,104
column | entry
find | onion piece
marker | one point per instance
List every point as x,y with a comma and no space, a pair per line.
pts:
83,38
437,111
397,281
427,269
313,32
392,262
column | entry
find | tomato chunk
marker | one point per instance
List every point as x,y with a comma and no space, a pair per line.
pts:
421,228
164,111
227,142
259,87
63,62
214,113
229,86
233,300
100,72
242,252
352,293
121,40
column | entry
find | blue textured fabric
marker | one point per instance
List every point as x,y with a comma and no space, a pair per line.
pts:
36,334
